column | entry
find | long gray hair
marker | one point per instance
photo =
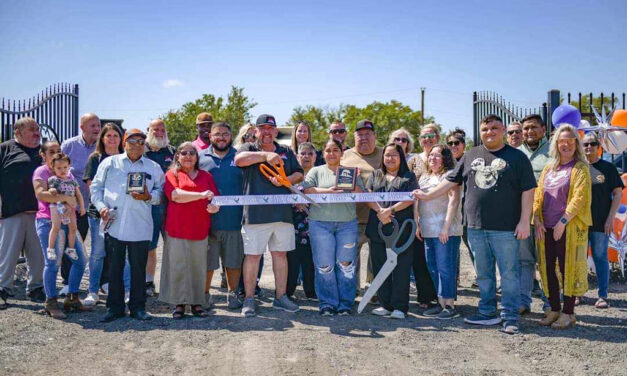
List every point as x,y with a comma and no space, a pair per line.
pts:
176,166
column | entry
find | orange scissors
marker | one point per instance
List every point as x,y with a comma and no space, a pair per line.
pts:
278,172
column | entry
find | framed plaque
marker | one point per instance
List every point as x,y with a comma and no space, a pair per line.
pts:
346,178
135,182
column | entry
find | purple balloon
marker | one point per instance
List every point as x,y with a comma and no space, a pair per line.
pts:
568,114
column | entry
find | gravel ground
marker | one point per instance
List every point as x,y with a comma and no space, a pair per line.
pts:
280,343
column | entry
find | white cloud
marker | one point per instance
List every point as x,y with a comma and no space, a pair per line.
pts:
172,83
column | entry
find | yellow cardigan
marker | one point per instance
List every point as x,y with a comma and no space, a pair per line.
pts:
575,280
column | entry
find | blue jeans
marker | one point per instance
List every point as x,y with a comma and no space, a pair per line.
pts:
500,247
96,258
51,267
334,243
599,242
442,265
527,256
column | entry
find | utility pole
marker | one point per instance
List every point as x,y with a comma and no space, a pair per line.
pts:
422,105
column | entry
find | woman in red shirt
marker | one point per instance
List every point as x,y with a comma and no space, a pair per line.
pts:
184,265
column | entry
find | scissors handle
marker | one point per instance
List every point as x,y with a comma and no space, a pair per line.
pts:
390,240
278,172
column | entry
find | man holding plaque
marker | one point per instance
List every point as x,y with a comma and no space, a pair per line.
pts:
366,156
124,189
267,226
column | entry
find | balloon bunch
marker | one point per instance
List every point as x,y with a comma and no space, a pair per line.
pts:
611,129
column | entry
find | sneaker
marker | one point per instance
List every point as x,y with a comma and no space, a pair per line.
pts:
259,292
64,290
447,313
248,307
344,312
380,311
91,300
396,314
208,300
510,327
524,310
105,289
285,304
127,296
150,288
233,301
480,319
37,295
433,311
51,253
71,253
326,312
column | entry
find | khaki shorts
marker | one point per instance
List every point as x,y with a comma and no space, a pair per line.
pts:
275,236
227,246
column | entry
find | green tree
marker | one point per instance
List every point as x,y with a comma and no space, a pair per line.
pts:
586,110
318,119
181,123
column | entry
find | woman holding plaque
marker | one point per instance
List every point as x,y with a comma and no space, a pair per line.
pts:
333,234
393,176
440,224
184,265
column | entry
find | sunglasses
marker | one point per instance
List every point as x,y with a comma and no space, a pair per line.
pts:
307,154
453,143
593,143
133,141
567,141
430,136
514,132
188,152
337,131
401,139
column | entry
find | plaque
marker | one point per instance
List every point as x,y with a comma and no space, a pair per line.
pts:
346,178
135,182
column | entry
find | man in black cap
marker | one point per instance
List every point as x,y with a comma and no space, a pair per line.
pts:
267,226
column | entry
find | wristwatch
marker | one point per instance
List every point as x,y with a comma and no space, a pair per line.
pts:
564,221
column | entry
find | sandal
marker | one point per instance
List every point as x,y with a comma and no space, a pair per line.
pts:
4,296
198,311
601,304
179,312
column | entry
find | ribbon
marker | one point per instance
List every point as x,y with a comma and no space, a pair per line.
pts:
320,198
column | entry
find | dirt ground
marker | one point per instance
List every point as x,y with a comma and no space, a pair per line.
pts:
281,343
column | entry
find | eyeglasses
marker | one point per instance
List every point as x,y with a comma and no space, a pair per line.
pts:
593,143
430,136
566,141
138,141
514,132
307,154
249,137
401,139
453,143
191,153
221,135
337,131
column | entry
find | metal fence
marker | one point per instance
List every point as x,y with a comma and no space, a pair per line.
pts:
55,109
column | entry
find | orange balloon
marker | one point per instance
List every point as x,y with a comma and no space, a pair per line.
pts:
619,119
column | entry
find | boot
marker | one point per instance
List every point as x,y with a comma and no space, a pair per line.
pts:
551,317
565,321
52,308
73,303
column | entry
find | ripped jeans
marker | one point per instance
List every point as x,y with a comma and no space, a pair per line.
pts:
334,248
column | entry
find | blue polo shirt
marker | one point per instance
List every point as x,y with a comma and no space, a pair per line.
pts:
230,179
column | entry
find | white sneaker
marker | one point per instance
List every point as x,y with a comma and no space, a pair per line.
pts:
105,288
91,299
127,296
51,253
380,311
65,290
71,253
396,314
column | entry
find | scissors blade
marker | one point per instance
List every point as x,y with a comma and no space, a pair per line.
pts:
385,271
301,194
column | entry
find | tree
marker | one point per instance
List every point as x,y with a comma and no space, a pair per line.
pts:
235,110
596,102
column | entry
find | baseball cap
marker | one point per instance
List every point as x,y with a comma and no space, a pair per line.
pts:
266,119
364,124
203,118
134,132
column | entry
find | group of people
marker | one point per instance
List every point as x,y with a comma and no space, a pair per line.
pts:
531,205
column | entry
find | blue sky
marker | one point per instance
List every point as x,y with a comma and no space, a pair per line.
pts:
136,60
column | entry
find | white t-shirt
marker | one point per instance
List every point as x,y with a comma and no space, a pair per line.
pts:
433,212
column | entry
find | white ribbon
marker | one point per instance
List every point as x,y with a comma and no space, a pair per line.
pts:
320,198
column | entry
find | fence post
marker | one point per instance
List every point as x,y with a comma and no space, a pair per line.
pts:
553,102
474,118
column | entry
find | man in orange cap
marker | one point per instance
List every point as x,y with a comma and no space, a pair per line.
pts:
203,125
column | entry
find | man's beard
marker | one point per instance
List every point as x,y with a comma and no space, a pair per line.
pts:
227,147
155,142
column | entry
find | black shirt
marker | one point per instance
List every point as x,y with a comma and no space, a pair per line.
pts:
163,156
604,179
90,173
378,183
257,184
495,181
17,164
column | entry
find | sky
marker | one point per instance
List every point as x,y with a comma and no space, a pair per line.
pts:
135,60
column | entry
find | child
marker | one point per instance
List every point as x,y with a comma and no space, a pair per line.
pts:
60,213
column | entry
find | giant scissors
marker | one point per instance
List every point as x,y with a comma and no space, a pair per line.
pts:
392,252
278,172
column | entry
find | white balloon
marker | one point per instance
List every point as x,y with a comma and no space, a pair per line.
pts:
620,137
